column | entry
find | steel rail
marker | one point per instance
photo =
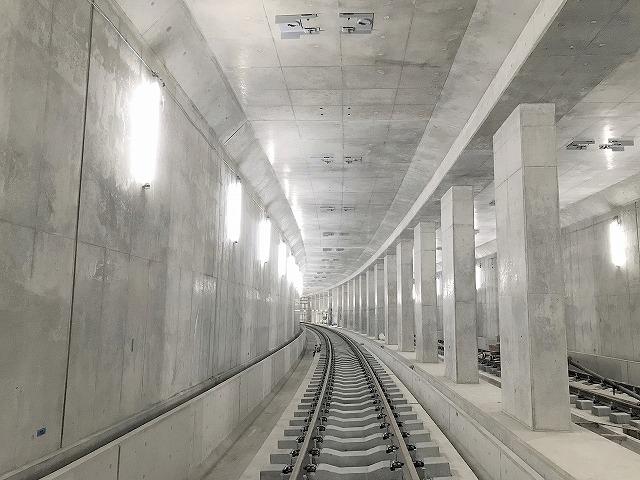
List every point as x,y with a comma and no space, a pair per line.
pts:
408,467
302,455
607,381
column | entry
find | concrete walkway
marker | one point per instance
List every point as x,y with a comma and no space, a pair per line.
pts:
244,459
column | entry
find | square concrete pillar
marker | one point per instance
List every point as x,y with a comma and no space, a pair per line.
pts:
356,304
424,275
378,280
343,305
348,302
533,344
352,304
371,302
364,306
390,300
405,308
459,285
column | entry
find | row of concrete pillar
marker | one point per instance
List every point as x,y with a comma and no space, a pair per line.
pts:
395,298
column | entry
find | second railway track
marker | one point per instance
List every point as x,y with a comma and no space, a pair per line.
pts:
353,422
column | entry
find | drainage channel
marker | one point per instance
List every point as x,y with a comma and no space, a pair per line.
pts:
353,423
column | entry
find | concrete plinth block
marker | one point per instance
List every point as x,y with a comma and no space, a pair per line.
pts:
272,472
351,444
584,404
436,467
601,410
377,471
619,417
573,399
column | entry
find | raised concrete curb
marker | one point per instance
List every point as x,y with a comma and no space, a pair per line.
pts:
174,445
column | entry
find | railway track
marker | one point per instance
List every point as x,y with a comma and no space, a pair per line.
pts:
353,423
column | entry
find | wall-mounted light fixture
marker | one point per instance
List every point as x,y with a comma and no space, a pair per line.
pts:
438,286
282,259
478,276
294,275
234,210
144,113
264,240
617,243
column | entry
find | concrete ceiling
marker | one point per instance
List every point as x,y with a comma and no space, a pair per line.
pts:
337,95
418,100
587,64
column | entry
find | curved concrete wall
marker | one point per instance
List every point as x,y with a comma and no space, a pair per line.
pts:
112,298
177,444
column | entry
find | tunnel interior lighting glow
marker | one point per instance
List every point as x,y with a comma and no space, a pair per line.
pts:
294,275
282,259
438,286
144,112
617,243
264,240
234,210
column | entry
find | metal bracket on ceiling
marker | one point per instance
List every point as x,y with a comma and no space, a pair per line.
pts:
349,159
616,145
327,158
294,26
357,22
580,144
613,145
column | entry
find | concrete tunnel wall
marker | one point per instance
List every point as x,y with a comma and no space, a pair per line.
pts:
177,445
112,298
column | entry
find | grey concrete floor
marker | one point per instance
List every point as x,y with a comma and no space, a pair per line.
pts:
241,459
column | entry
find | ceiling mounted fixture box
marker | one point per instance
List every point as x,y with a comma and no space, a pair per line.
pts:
294,26
357,22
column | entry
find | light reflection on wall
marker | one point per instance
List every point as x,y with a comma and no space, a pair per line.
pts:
617,243
144,112
264,240
294,275
282,259
234,210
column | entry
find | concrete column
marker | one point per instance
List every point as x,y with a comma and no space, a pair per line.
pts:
390,300
378,280
424,274
459,285
371,305
404,271
362,280
349,299
341,305
334,306
356,304
533,345
345,305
